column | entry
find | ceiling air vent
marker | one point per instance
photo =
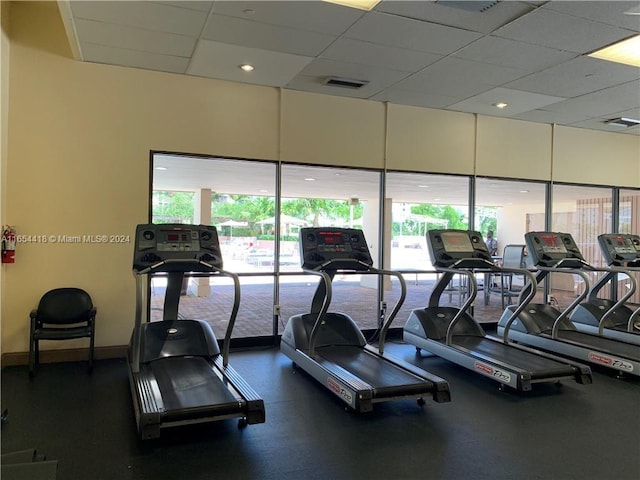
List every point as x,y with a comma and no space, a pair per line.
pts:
470,6
623,122
345,82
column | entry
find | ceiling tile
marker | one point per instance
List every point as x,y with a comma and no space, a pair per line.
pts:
602,103
374,54
611,11
511,53
564,32
576,77
314,16
158,17
134,58
418,99
220,60
408,33
483,22
200,5
544,116
120,36
239,31
450,76
517,101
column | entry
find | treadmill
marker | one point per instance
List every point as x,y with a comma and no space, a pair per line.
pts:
176,371
331,348
606,317
453,334
544,326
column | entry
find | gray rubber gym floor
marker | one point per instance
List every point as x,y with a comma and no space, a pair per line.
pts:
86,422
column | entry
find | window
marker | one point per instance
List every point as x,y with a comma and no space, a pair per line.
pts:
416,203
324,197
510,208
584,212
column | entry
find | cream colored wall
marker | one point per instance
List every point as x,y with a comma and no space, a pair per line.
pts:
4,111
588,156
513,148
427,140
328,130
78,156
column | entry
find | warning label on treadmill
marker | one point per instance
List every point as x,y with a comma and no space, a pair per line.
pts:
339,390
610,361
492,372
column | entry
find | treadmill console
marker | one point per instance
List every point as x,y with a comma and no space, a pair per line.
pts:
172,241
463,248
620,249
334,248
550,249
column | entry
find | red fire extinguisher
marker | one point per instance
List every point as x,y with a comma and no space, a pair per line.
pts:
8,244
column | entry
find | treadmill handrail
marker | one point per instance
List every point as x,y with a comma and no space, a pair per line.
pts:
356,262
325,305
636,313
166,261
611,272
474,292
522,302
565,313
470,299
396,307
323,309
140,297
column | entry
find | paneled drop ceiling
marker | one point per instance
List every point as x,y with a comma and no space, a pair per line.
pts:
528,54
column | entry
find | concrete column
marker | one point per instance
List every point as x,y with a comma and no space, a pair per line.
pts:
202,216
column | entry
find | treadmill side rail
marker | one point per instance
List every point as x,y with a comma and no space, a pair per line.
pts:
253,404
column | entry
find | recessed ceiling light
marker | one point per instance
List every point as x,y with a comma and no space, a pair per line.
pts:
264,191
309,179
246,67
524,191
359,4
627,52
160,168
423,186
500,105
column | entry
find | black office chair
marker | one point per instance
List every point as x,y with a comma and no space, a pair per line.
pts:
62,314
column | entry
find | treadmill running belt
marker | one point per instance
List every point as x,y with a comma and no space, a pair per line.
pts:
386,378
539,366
189,382
602,344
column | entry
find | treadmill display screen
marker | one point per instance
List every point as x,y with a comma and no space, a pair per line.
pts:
457,242
624,245
330,241
552,244
178,240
